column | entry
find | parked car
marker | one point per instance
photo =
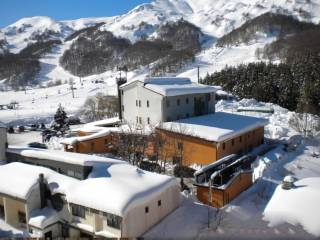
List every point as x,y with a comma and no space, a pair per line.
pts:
37,145
10,129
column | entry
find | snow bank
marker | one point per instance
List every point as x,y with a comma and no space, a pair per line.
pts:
299,205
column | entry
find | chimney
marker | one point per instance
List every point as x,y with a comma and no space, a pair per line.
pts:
42,187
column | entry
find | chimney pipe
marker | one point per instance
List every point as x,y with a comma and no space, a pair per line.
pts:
42,187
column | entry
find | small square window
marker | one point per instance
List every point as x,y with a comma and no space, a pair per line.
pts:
22,217
146,210
139,103
148,120
187,100
240,138
140,120
137,118
224,146
122,108
159,203
148,104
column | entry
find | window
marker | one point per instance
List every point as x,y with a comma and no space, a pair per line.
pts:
187,100
224,146
248,135
240,139
148,120
187,115
208,97
22,217
146,210
122,92
140,120
137,119
178,102
148,104
122,108
168,119
92,147
168,103
2,216
78,211
159,203
113,221
232,142
70,173
139,103
180,145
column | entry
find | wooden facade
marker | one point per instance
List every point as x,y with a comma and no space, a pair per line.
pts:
194,150
101,144
220,196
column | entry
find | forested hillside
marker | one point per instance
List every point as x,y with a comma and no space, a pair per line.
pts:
271,24
19,70
294,85
96,51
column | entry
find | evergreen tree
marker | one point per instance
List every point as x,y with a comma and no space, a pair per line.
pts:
60,121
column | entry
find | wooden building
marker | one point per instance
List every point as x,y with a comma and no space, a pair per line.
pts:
225,179
222,195
206,139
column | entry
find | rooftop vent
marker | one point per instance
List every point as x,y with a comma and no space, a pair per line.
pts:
287,182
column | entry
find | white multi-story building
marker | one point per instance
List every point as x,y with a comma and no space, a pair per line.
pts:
155,100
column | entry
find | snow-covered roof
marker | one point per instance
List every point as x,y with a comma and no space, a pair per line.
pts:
18,179
41,218
113,186
60,156
174,86
105,122
99,134
97,126
214,164
216,127
299,205
118,188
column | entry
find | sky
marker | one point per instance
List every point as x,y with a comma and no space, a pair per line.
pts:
13,10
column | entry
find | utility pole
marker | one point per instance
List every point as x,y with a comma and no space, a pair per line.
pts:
210,201
71,85
198,74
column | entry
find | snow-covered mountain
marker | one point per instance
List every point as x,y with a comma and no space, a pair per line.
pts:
214,18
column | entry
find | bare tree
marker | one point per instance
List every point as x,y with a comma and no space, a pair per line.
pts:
99,107
305,123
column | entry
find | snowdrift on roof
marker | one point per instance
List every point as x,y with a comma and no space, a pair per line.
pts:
299,205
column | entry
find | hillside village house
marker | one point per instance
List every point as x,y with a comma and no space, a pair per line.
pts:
106,204
155,100
205,139
94,137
